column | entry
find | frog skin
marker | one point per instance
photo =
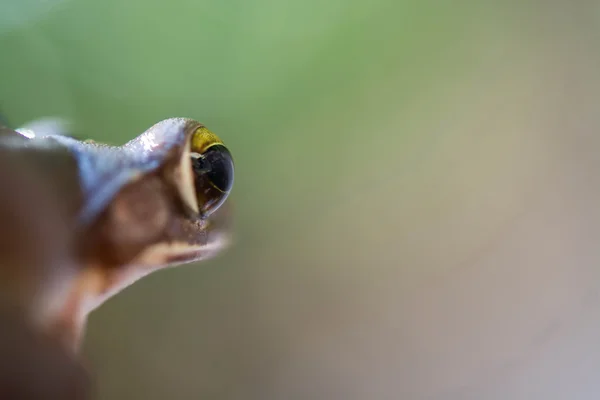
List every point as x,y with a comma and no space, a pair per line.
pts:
159,200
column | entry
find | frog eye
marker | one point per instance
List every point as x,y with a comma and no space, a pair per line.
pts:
213,170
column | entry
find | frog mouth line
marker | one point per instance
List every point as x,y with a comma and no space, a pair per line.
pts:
195,254
187,258
167,254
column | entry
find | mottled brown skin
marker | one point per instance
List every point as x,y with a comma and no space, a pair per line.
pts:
126,209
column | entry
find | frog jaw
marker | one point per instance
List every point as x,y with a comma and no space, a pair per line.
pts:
185,240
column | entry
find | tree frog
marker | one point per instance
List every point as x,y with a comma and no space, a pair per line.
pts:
159,200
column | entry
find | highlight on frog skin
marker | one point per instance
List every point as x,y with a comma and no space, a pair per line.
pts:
213,170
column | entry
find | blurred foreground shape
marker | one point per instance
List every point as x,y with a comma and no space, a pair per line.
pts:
33,260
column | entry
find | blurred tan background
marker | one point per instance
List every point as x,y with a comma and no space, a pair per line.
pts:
417,191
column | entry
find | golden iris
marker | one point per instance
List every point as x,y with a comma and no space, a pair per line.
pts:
213,169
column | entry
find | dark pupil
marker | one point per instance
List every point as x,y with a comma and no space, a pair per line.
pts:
220,171
214,177
200,166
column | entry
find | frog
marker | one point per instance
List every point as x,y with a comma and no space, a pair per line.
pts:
160,200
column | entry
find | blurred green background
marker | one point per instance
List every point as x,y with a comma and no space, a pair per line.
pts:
416,191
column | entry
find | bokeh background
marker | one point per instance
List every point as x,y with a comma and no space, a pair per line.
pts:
416,193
